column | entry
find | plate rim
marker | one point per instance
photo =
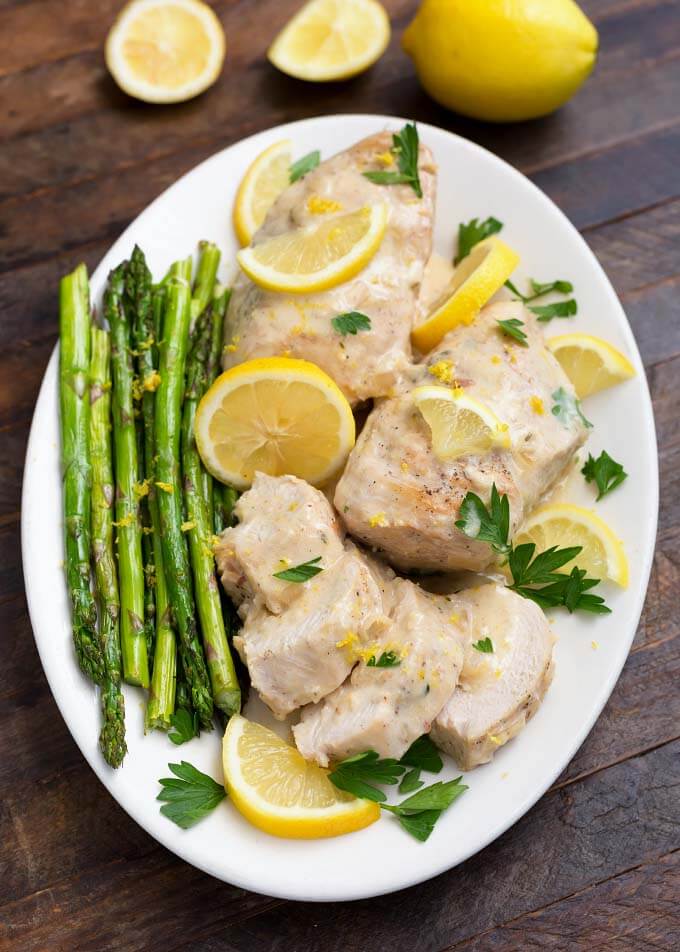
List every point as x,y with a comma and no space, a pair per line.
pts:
97,764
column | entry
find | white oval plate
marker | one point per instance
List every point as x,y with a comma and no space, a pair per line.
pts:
472,182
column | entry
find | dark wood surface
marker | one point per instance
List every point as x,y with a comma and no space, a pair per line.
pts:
595,865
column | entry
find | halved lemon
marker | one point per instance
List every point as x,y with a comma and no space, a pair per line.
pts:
592,364
460,425
274,787
476,279
262,184
275,415
317,257
165,50
331,39
564,524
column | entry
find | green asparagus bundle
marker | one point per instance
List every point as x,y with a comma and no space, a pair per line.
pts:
226,691
112,736
130,565
74,397
173,350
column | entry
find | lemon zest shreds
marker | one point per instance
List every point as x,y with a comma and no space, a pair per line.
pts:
152,381
166,487
188,526
536,405
443,371
321,206
379,520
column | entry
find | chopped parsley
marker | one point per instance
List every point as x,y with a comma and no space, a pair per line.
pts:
605,472
485,645
567,408
304,165
405,149
388,659
513,328
302,572
351,322
472,233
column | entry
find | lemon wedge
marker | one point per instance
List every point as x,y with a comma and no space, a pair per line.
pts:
165,51
262,184
476,279
460,425
274,415
564,524
274,787
331,40
592,364
317,257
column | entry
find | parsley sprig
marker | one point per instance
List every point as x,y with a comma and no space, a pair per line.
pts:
184,726
546,312
605,472
567,408
351,322
304,165
405,149
418,813
534,576
513,328
300,573
472,233
189,796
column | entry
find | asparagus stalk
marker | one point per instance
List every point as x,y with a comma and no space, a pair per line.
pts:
112,736
218,309
172,360
130,566
206,274
74,328
139,304
225,686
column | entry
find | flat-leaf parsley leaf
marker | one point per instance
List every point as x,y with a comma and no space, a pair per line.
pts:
605,472
405,148
302,572
350,322
485,645
184,726
190,797
304,165
472,233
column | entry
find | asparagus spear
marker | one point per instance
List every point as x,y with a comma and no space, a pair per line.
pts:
173,351
224,500
139,305
226,691
218,309
112,736
206,273
74,329
130,566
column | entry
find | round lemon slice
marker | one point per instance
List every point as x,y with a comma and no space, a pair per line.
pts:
317,257
476,279
564,524
275,415
165,50
262,184
592,364
275,788
460,425
331,40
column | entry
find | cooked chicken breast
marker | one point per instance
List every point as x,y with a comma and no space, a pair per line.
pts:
386,708
402,500
500,691
299,656
265,323
283,522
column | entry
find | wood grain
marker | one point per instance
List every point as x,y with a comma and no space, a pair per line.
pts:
594,865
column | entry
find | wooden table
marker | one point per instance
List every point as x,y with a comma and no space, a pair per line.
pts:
595,865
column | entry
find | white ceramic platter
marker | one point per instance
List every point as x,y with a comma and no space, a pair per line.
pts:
472,182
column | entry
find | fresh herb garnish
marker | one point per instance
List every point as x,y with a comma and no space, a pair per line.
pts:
567,408
302,572
529,571
419,812
605,472
472,233
304,165
513,328
546,312
184,726
405,148
190,797
485,645
411,781
358,774
350,322
488,525
423,754
388,659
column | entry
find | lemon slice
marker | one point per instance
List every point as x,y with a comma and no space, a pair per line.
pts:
592,364
331,39
476,279
274,415
460,425
165,50
564,524
317,257
275,788
262,184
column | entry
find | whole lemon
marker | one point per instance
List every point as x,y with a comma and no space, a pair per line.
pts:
501,60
